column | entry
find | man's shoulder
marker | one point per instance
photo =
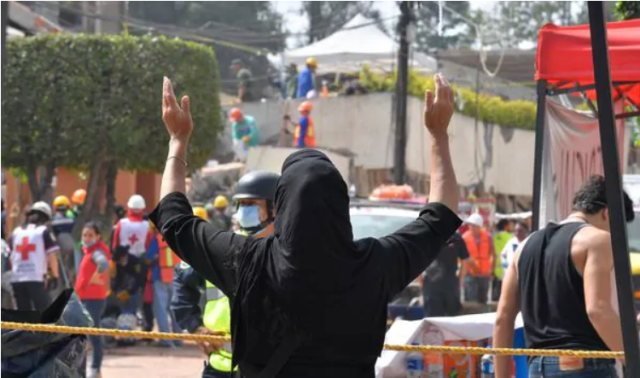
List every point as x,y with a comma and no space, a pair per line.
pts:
249,119
589,236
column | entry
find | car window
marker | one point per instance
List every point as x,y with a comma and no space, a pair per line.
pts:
377,225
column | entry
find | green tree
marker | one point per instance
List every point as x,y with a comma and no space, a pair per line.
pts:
456,33
627,10
91,103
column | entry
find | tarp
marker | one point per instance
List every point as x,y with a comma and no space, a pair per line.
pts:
360,41
564,56
571,154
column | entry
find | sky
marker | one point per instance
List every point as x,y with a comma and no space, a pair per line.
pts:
297,23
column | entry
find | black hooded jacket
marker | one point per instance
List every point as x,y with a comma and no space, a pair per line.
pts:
310,276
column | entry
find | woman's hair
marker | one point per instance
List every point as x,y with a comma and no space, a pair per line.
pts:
94,226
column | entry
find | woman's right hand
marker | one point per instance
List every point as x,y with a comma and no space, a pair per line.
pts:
177,119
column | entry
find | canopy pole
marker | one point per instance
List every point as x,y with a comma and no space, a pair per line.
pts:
541,89
610,157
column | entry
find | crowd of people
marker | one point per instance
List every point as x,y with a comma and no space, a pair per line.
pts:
471,265
299,297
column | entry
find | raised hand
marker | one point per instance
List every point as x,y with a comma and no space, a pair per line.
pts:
438,110
177,118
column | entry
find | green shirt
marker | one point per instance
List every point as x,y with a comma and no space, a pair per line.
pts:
500,239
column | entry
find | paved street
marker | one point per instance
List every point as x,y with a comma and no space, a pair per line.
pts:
153,362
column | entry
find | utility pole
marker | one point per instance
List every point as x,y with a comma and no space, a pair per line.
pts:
399,161
5,22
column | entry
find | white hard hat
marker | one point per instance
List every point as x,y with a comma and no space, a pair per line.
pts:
136,202
475,219
42,207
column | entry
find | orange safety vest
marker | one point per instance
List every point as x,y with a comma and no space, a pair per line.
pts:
309,139
481,255
167,261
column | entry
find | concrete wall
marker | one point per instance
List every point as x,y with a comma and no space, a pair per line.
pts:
363,126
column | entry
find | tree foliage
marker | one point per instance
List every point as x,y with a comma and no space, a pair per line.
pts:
456,33
627,10
88,102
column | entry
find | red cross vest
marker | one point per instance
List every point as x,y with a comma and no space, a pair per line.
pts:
28,254
134,235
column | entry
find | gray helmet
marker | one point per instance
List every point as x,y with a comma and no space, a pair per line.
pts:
257,185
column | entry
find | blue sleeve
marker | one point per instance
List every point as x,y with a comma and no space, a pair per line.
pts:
185,302
154,249
305,83
304,125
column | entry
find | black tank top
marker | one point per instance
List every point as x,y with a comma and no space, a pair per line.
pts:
552,292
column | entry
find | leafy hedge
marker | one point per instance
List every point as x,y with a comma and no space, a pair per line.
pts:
515,113
70,100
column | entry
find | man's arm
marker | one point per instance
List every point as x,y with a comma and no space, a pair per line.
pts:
52,249
437,115
508,309
185,302
597,289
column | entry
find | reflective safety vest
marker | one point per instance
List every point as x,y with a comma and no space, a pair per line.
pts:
217,318
481,254
167,260
500,239
309,138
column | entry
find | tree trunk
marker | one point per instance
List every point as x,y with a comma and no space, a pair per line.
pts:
40,180
95,193
112,175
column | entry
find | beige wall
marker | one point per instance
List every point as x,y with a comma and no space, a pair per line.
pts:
363,126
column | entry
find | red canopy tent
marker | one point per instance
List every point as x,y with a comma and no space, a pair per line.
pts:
564,64
564,58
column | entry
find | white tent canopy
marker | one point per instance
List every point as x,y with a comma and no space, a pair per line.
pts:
359,42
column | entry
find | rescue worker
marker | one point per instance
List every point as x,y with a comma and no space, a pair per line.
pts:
77,198
481,260
245,78
33,252
308,300
219,217
162,264
255,189
62,227
306,80
135,233
304,134
500,238
244,132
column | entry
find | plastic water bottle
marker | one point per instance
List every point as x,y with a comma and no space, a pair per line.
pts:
415,364
487,365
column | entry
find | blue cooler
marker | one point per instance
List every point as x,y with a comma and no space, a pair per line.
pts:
522,368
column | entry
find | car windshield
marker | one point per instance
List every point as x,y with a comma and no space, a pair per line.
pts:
633,231
377,225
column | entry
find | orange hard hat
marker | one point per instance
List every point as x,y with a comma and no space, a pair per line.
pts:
235,114
79,196
305,107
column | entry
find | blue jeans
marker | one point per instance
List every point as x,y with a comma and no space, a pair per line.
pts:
95,308
162,293
549,367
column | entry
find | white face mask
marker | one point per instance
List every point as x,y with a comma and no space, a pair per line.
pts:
249,216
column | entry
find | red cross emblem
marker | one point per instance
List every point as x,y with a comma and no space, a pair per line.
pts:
25,248
133,239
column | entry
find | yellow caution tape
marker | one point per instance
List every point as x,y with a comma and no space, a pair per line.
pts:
90,331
